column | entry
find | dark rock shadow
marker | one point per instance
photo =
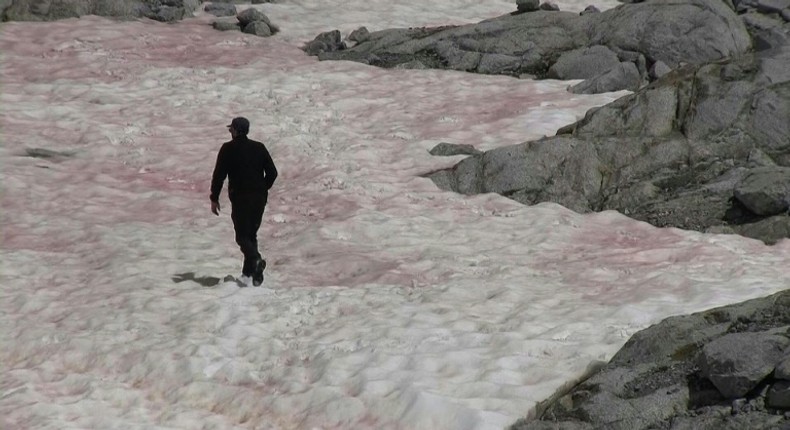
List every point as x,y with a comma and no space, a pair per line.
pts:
738,214
703,393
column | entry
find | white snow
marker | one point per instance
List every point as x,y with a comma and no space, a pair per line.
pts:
387,304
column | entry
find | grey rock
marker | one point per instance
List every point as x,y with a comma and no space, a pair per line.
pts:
758,158
548,6
769,230
412,65
325,42
258,28
168,14
226,25
785,14
673,31
782,370
359,35
653,381
584,63
449,149
779,395
765,190
727,182
671,154
220,9
457,58
624,76
754,420
125,9
676,32
772,6
590,9
768,32
4,4
527,5
172,10
46,10
498,63
734,373
50,10
658,69
251,15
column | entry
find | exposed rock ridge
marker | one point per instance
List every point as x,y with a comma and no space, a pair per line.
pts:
726,368
628,42
705,148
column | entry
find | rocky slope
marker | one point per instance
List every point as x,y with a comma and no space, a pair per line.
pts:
50,10
621,48
705,148
723,369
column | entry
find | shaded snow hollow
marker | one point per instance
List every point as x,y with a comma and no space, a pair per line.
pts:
388,304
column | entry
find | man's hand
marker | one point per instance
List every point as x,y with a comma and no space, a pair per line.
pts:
215,208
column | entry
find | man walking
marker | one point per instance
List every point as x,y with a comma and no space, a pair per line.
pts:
250,172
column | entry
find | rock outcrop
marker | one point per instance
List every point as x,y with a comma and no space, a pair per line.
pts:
704,148
220,9
445,149
250,21
50,10
726,368
564,45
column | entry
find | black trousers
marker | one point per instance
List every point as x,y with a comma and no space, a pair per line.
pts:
247,213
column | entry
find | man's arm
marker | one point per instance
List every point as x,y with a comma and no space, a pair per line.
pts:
217,179
269,169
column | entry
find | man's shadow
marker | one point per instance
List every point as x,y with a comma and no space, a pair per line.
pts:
206,281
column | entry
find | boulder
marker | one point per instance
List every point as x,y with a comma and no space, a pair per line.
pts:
324,42
527,5
771,6
767,31
623,76
548,6
735,373
584,63
251,15
765,190
4,4
359,35
769,230
226,25
258,28
782,370
779,395
590,9
673,31
220,9
658,69
450,149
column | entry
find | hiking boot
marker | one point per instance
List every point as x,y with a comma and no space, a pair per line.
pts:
257,277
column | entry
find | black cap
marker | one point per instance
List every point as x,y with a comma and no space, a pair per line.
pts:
240,124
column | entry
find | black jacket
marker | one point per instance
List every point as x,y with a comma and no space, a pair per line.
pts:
247,165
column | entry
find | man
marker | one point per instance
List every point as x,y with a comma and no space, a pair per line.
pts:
250,172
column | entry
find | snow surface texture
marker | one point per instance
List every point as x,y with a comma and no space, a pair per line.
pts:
388,304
